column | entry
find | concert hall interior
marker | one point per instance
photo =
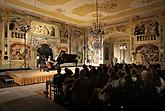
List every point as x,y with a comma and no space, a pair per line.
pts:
82,55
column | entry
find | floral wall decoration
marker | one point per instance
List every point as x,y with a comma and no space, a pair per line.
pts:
149,52
19,51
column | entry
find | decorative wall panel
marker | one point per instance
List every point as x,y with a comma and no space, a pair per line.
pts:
19,52
77,43
149,52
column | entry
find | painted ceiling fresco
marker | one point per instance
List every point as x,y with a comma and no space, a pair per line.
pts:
83,12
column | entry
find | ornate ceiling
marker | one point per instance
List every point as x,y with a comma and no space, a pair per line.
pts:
82,12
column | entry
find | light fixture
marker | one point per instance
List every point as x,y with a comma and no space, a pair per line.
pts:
96,30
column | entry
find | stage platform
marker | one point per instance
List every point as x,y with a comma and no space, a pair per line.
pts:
26,77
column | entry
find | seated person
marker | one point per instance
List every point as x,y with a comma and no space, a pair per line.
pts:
110,90
77,72
68,72
58,79
81,89
68,82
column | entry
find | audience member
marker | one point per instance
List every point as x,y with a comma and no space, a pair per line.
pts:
57,79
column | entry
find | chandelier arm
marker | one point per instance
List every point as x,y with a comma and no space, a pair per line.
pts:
97,16
96,30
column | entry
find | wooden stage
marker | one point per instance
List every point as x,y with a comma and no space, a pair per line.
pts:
26,77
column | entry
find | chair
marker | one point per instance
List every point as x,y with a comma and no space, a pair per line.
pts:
57,88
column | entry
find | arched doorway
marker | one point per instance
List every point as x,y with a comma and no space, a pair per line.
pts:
113,41
43,53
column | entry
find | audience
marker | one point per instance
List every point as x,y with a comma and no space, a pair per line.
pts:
81,89
126,85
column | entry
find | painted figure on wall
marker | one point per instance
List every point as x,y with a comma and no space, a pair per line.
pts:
156,28
77,43
139,29
138,59
52,31
80,57
66,34
18,52
93,50
147,28
148,52
106,53
43,28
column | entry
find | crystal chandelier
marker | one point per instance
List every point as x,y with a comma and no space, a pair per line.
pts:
96,30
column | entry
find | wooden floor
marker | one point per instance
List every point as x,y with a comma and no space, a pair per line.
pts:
26,98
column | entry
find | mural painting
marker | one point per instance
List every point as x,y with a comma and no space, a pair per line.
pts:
77,44
147,27
148,52
93,50
43,29
64,34
19,52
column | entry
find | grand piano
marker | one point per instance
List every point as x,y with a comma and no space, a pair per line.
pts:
66,58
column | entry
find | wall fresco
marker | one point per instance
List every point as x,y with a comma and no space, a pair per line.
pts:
93,50
148,52
43,29
19,51
77,43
